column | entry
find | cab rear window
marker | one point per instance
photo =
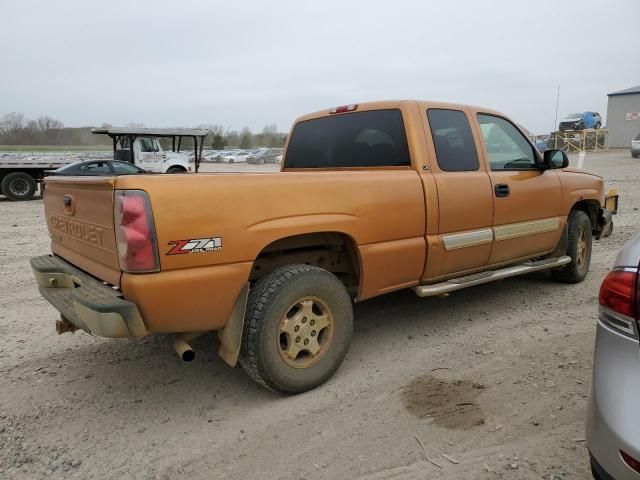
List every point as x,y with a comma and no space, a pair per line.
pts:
360,139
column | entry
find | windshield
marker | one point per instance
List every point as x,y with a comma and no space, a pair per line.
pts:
70,166
575,115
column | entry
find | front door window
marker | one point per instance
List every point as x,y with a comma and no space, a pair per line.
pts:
508,149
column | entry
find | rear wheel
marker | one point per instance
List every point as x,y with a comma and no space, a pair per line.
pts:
578,248
18,186
176,170
298,326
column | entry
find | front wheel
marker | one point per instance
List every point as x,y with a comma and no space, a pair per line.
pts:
578,248
298,327
176,170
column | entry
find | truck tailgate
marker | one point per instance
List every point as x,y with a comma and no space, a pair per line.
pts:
79,213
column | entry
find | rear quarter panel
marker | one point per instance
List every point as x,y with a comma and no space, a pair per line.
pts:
381,210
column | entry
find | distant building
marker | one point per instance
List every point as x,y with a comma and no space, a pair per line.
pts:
623,116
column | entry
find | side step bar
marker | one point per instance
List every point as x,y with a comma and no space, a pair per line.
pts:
486,277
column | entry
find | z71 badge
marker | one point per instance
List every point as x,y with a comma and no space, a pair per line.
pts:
195,245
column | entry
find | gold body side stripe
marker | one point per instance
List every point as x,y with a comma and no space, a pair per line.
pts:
515,230
467,239
503,232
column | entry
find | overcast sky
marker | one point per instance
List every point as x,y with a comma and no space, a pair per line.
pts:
239,63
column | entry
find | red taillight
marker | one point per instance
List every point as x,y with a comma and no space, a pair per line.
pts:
617,292
135,232
344,108
629,460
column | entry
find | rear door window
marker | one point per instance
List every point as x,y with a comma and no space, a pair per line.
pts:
360,139
452,138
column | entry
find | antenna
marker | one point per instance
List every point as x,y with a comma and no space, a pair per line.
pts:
555,121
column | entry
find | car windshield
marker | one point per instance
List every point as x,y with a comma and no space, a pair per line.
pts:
71,166
575,115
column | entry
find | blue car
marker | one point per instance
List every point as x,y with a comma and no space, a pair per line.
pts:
580,121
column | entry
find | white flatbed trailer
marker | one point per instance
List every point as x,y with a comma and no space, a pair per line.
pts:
22,172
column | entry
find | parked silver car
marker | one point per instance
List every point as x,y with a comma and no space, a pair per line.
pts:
613,418
635,146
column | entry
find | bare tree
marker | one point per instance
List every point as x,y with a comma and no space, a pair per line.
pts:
246,138
12,127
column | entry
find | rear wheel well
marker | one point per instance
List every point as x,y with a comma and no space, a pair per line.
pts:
331,251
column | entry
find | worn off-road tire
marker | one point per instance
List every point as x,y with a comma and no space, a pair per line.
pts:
578,248
282,299
18,186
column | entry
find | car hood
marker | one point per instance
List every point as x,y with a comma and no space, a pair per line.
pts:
580,170
570,120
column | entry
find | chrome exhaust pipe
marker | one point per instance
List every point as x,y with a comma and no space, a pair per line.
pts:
182,347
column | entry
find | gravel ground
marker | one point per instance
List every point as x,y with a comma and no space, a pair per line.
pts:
496,377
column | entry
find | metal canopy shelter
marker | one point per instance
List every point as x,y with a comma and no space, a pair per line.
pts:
132,133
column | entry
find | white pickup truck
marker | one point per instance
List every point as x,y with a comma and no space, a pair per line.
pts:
21,173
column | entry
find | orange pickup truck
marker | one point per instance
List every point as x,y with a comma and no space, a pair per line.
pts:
371,198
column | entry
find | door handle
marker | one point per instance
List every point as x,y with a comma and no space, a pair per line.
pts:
502,190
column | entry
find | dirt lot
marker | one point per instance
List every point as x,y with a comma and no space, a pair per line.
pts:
496,377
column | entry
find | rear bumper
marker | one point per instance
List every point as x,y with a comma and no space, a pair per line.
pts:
85,302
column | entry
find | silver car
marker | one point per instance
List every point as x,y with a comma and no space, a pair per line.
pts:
635,146
613,418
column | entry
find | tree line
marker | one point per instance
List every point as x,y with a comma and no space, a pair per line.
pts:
16,129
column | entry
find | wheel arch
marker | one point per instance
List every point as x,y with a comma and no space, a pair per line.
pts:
334,251
591,207
176,167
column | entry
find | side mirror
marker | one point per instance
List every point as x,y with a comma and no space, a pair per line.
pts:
555,159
